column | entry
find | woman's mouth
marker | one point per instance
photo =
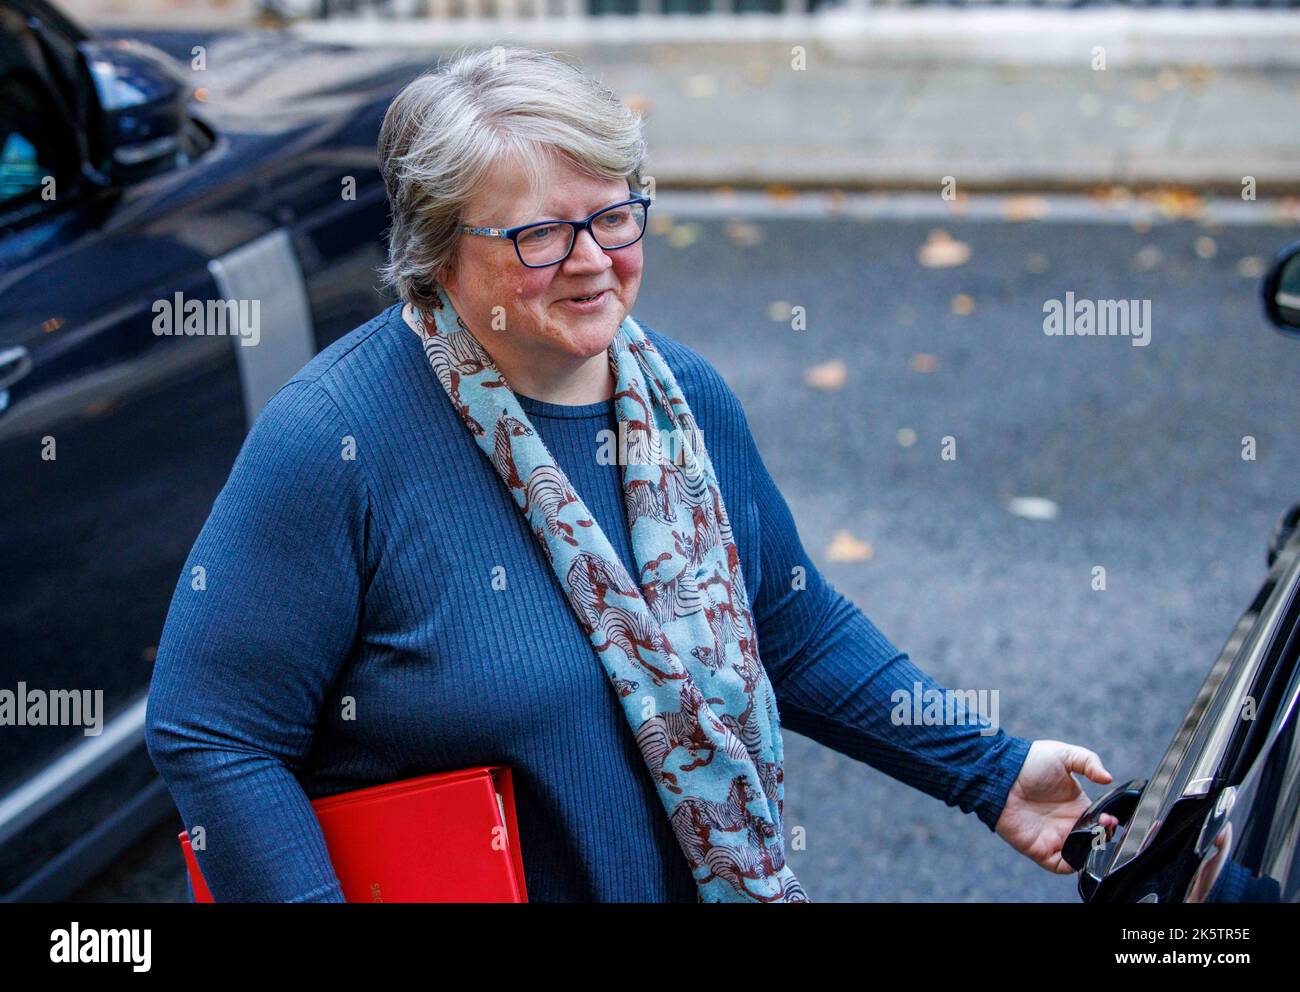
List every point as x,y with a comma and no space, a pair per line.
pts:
587,303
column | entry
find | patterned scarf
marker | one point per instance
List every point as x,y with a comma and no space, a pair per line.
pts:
679,645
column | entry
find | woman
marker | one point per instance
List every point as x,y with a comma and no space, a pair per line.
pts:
495,524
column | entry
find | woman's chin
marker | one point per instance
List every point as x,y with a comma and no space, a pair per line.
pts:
590,338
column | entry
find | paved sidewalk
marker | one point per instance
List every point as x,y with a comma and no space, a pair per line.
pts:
737,113
740,115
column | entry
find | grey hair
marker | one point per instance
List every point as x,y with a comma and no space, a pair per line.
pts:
446,130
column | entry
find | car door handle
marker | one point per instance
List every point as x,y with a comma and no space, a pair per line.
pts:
1119,802
14,364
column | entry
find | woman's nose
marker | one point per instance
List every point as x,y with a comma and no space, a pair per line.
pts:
585,248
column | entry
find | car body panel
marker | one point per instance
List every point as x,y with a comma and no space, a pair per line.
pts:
115,439
1233,765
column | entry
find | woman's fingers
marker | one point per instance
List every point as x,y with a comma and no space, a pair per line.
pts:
1084,762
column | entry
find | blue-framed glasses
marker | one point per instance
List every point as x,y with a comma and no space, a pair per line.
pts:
549,242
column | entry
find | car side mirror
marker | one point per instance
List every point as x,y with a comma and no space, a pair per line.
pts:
138,126
1281,290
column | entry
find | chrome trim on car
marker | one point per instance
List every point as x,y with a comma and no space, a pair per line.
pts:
71,770
267,270
1260,640
1190,765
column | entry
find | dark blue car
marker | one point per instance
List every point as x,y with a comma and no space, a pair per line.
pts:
1217,820
177,238
138,191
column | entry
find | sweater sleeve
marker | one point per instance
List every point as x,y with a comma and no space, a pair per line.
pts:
834,674
261,622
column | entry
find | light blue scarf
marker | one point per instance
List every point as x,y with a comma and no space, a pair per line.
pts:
680,647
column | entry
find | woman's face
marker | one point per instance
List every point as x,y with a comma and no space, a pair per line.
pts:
539,327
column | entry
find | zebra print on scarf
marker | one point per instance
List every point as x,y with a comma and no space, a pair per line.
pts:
678,640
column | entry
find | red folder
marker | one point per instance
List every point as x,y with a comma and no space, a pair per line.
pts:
448,837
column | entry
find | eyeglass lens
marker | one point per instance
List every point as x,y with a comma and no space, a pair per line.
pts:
613,228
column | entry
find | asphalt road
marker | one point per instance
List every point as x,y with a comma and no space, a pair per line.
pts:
1138,448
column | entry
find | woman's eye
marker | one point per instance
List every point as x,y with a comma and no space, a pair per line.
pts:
538,233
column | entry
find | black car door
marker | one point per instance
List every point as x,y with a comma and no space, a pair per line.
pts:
114,440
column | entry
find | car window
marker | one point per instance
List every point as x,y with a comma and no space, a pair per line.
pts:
28,142
38,148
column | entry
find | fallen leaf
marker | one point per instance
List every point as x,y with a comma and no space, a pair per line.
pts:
1174,202
1024,207
827,376
1032,507
942,251
922,362
743,234
1148,258
701,86
1285,210
1252,267
1124,115
779,310
684,235
1146,91
1168,79
845,547
963,304
667,54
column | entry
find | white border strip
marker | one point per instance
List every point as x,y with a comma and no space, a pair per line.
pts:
1241,37
1005,208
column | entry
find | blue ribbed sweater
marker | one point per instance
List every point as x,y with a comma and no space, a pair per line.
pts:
320,578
